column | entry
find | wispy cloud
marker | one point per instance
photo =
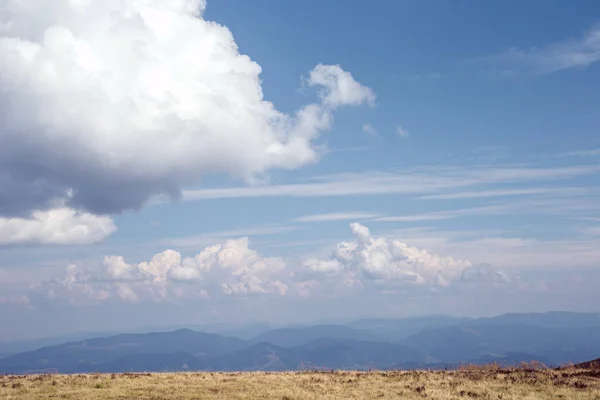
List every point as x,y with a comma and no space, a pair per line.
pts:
450,214
424,180
337,216
402,132
561,191
554,57
582,153
369,130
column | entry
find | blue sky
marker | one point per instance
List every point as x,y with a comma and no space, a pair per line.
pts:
467,142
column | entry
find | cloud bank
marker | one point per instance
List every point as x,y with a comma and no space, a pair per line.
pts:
232,268
105,104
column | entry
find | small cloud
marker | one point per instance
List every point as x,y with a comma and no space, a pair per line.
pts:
582,153
400,131
551,58
369,130
14,300
342,216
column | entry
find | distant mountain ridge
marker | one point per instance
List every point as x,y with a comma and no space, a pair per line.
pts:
288,337
422,342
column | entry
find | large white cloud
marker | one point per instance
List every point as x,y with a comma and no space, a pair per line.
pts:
375,264
56,226
116,101
382,263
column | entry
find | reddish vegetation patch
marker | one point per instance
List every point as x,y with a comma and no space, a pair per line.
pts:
594,364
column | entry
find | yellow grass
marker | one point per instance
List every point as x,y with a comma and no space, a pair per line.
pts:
473,383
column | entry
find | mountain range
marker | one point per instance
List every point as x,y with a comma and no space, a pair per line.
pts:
424,342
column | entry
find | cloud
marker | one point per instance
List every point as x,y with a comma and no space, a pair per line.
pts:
555,57
14,300
118,101
449,214
369,130
59,226
339,87
412,181
231,268
337,216
582,153
400,131
384,263
510,192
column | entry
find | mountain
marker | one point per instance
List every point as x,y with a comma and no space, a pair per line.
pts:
397,329
551,319
354,354
89,355
18,346
258,357
288,337
459,343
440,343
248,331
323,353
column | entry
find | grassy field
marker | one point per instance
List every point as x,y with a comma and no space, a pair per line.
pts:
472,383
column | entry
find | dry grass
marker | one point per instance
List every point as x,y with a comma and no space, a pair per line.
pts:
488,382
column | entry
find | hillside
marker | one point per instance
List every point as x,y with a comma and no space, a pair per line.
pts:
478,383
593,365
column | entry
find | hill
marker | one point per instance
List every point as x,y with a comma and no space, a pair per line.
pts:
472,383
594,364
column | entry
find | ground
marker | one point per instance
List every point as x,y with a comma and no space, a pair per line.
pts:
468,383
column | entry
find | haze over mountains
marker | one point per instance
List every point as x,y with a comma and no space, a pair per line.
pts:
553,338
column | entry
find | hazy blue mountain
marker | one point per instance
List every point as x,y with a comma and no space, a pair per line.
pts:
441,342
248,331
353,354
84,355
19,346
258,357
324,353
397,329
458,343
551,319
288,337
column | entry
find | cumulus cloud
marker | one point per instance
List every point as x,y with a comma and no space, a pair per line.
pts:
339,87
232,268
383,263
117,101
56,226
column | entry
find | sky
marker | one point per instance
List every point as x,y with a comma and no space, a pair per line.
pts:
190,162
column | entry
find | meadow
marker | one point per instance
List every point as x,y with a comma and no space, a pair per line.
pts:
487,382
